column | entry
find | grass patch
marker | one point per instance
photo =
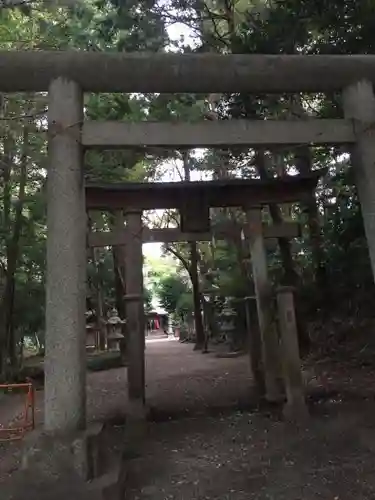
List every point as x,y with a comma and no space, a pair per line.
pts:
104,361
34,367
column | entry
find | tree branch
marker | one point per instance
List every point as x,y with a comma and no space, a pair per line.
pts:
183,261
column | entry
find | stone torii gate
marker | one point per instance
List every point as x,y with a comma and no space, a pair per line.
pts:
67,75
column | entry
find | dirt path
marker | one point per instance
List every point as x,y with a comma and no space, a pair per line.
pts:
247,456
241,455
193,377
181,381
203,444
178,380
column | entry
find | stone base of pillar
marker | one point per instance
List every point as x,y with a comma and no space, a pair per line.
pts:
58,467
79,453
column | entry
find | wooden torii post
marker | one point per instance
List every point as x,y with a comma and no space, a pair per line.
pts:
124,237
66,75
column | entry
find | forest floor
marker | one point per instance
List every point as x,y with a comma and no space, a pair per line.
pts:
205,440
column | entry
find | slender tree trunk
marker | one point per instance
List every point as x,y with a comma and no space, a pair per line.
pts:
211,329
4,164
2,324
290,274
194,257
120,291
194,282
7,161
118,254
199,327
304,164
12,247
120,282
101,325
97,292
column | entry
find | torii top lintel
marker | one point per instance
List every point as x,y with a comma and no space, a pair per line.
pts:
228,193
171,73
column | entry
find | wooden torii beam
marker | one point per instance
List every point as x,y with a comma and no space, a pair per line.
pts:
218,193
200,73
170,235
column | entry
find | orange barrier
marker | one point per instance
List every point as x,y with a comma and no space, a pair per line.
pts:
27,419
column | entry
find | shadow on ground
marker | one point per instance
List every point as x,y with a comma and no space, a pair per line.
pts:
244,455
207,439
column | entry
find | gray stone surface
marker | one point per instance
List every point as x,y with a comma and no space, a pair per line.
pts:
60,468
359,105
65,368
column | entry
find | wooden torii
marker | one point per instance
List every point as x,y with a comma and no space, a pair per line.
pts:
122,237
193,200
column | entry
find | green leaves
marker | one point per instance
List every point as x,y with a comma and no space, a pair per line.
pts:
174,294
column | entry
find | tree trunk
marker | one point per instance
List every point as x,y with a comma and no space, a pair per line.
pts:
194,257
96,291
101,326
12,247
13,255
120,282
303,162
119,273
2,324
118,254
290,274
194,276
211,327
100,319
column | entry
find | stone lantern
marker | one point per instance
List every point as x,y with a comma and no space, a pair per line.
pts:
115,335
228,323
